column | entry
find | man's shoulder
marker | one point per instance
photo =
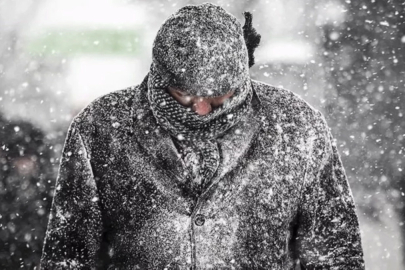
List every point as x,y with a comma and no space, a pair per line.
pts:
284,107
109,113
114,105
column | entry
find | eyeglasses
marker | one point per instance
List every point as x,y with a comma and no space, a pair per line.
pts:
200,105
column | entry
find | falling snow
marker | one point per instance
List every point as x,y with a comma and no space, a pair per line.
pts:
116,174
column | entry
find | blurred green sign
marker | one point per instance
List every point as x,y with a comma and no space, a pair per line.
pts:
100,41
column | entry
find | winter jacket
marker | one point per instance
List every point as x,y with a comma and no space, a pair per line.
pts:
279,198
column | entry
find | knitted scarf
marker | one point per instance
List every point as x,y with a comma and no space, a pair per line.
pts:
196,133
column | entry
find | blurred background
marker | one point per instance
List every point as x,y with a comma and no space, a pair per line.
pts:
345,57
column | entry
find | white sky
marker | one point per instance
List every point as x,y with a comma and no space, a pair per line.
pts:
85,13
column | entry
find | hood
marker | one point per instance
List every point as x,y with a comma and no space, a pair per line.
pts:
203,51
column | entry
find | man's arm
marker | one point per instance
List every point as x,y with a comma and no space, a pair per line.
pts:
73,234
328,234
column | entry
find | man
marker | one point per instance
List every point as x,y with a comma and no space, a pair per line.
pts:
200,167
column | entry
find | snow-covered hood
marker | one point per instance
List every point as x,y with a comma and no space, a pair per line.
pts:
203,49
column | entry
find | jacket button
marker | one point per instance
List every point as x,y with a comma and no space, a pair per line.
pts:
199,220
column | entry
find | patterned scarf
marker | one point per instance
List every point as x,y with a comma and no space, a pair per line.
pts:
197,133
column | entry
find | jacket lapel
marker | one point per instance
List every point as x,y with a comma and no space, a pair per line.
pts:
236,143
156,141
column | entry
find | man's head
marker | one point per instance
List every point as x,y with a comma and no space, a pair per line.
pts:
203,50
199,84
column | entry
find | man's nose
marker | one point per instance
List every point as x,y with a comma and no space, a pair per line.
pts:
201,106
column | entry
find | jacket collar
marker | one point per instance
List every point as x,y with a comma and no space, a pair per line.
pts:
159,145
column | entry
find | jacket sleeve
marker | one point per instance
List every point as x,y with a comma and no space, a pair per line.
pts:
73,234
328,235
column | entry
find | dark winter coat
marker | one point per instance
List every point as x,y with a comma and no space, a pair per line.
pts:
280,194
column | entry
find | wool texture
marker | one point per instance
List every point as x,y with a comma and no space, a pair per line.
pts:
204,50
280,195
